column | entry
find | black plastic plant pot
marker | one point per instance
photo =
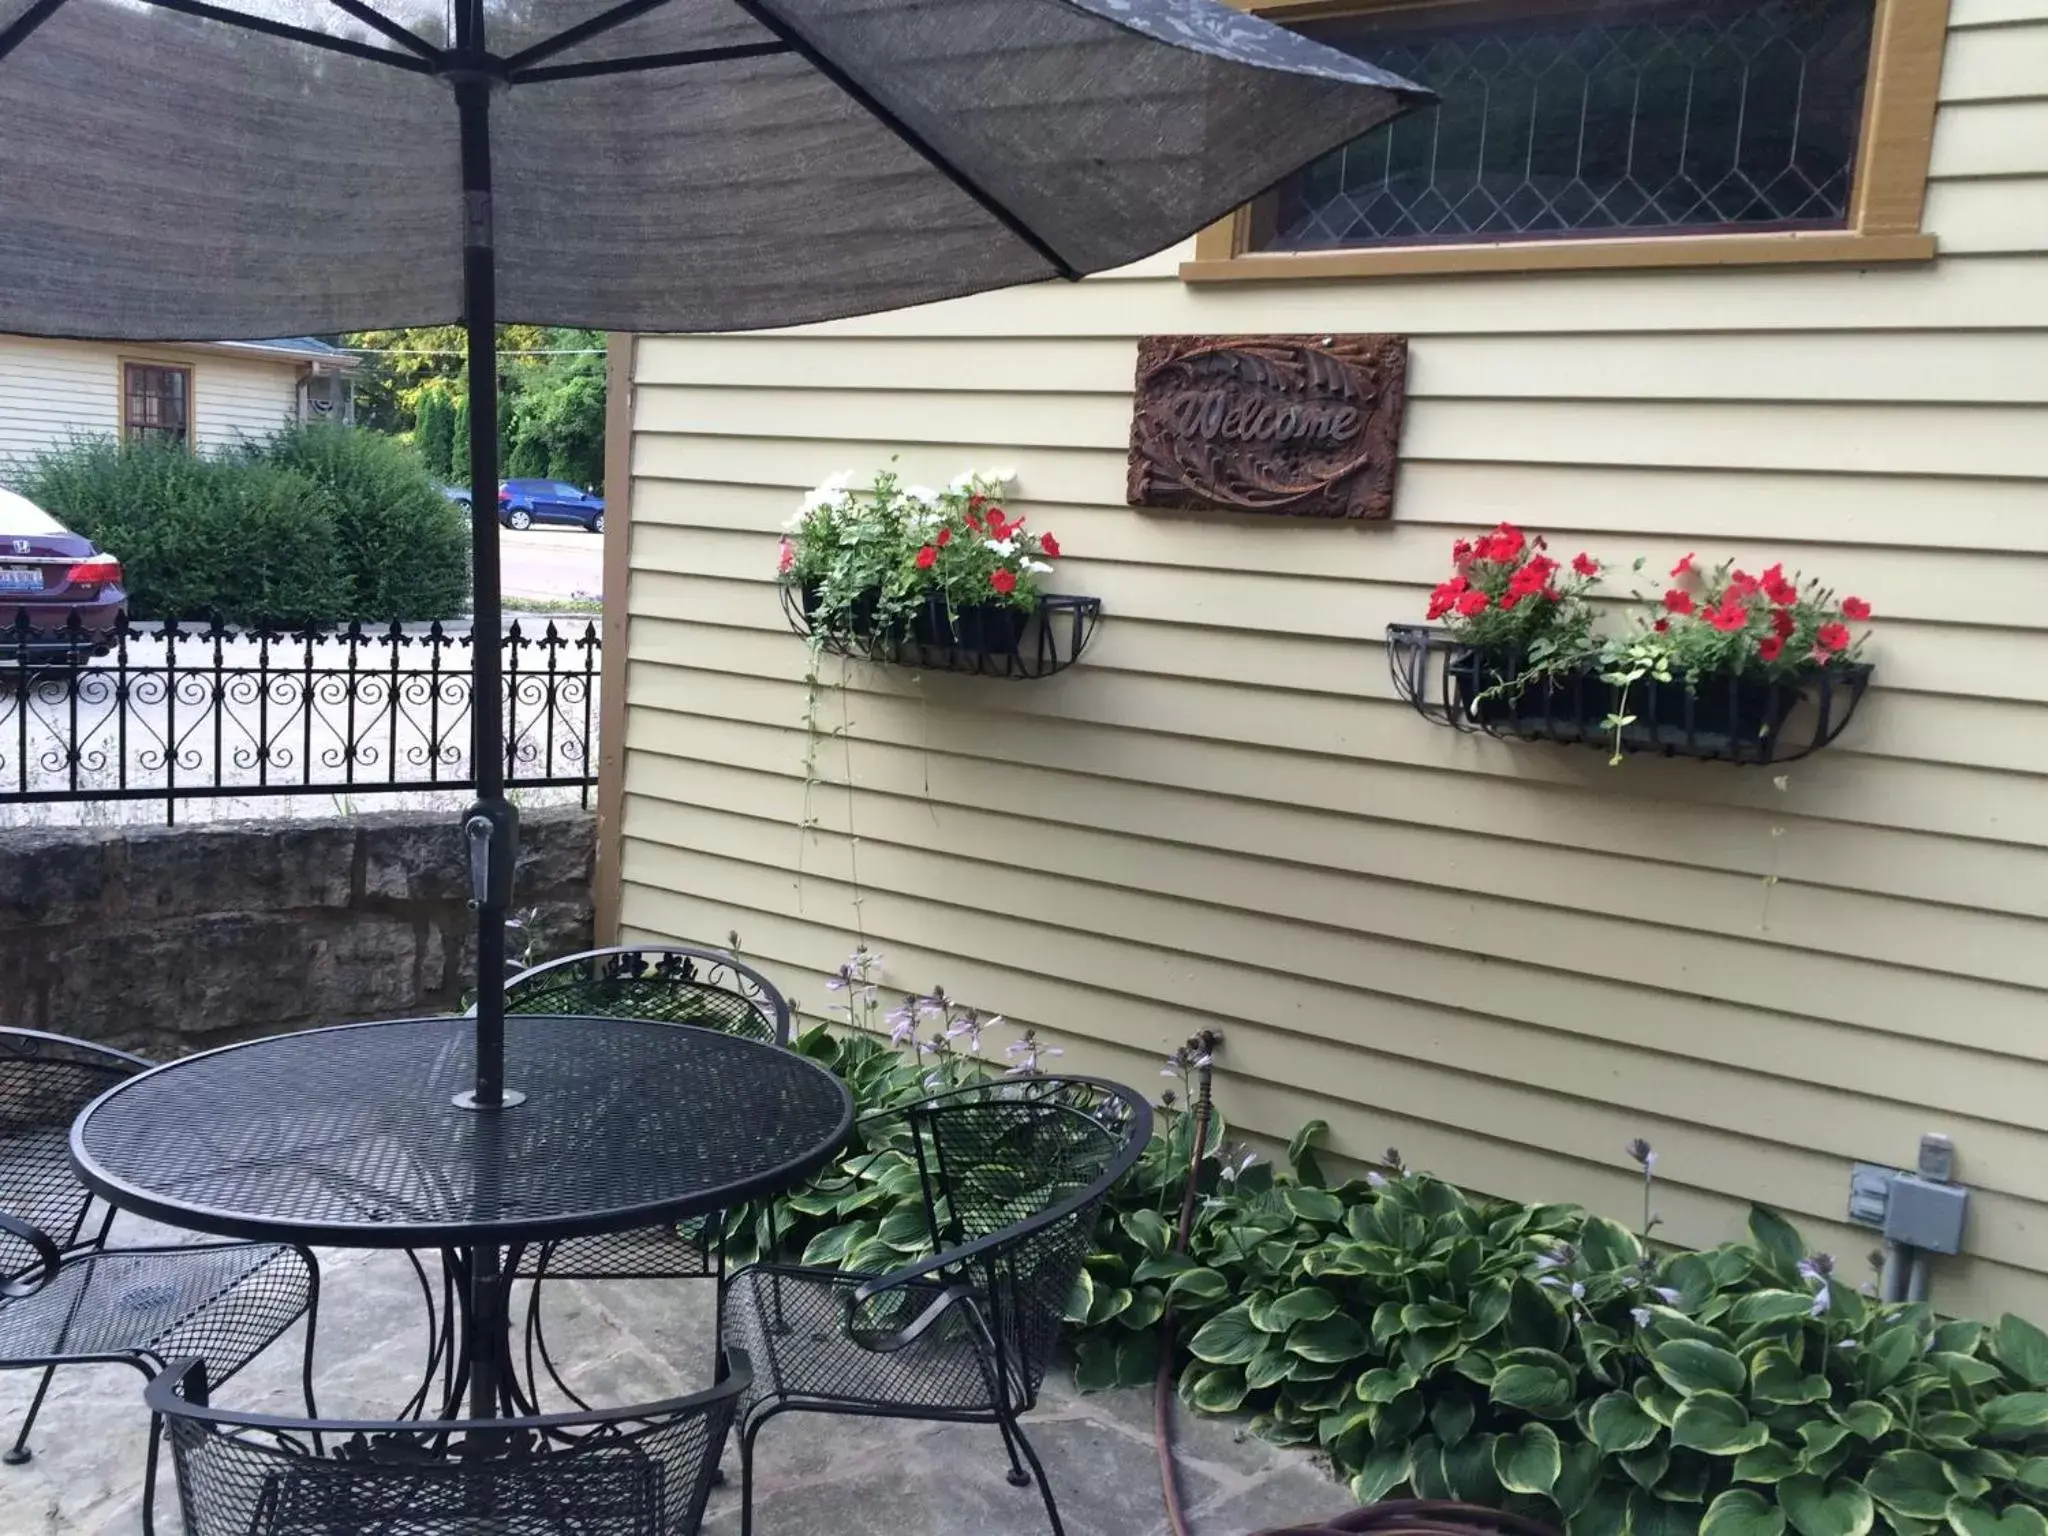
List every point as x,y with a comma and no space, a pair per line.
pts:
988,640
1739,719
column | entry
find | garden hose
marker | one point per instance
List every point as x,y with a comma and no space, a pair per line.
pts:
1162,1383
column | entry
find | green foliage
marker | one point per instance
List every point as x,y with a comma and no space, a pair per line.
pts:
433,437
405,545
317,525
254,543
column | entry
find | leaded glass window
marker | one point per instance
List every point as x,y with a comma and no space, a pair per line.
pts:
1608,119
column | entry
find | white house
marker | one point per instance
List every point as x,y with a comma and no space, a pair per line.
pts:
202,394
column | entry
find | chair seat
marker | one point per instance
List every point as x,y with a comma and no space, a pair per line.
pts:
222,1302
681,1251
793,1325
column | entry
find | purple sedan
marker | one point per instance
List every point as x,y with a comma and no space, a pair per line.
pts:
47,574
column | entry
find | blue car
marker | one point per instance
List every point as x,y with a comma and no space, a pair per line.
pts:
522,503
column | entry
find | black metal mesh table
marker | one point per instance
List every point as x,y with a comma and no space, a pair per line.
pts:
348,1137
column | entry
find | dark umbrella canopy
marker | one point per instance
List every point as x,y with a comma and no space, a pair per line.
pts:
177,169
168,176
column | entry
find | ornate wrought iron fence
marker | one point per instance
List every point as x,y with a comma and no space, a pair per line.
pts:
180,711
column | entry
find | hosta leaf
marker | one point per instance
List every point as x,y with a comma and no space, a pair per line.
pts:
1267,1368
1197,1286
1314,1205
1948,1430
1608,1245
1533,1321
1111,1301
1657,1402
1228,1338
1094,1364
1527,1460
1647,1466
1617,1422
1431,1314
1742,1512
1692,1365
1300,1156
1770,1307
1717,1424
1865,1419
1768,1463
1964,1482
2015,1414
1398,1420
1534,1380
1426,1469
1383,1384
1420,1351
1081,1298
1650,1515
2033,1475
1819,1439
831,1247
1885,1358
1329,1339
1468,1468
1909,1482
1818,1508
1147,1303
1487,1310
1577,1476
1451,1417
1781,1244
1307,1304
1604,1512
2022,1349
1137,1359
1775,1377
1968,1518
1217,1391
1968,1370
1385,1468
1959,1336
1148,1229
1163,1266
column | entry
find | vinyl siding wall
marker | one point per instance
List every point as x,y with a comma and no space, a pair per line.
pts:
1505,960
51,391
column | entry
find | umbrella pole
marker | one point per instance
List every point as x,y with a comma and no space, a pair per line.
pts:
491,826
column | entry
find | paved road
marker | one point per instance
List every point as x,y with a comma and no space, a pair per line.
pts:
551,562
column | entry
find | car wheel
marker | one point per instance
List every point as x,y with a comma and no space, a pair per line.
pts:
519,518
597,523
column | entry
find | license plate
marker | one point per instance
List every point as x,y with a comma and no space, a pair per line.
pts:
20,578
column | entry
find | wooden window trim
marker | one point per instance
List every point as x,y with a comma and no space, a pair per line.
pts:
124,363
1885,204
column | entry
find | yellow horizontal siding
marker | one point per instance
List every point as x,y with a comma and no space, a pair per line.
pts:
1504,959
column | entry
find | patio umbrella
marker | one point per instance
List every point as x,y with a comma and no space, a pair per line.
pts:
180,169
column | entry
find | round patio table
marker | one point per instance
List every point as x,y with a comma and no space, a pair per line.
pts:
350,1137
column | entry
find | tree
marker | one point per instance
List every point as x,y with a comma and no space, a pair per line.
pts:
433,434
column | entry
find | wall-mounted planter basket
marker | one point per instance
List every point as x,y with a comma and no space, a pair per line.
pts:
996,640
1726,719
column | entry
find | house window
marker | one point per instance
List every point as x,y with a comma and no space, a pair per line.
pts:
156,403
1578,133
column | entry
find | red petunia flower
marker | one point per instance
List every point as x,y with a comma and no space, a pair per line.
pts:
1832,638
927,558
976,502
1049,545
1678,601
1585,564
1742,584
1782,624
1781,592
945,537
1729,617
1472,604
1439,604
1510,599
1684,567
998,525
1505,543
1770,648
1461,551
974,522
1661,626
1004,582
1855,608
1527,579
1552,595
787,558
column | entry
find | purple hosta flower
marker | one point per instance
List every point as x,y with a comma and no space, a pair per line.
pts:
1563,1256
1375,1180
841,979
1025,1052
1236,1161
1823,1299
1392,1158
1641,1315
1816,1271
968,1026
1669,1296
902,1031
1578,1290
1642,1152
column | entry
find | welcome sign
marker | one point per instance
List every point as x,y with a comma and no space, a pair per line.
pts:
1306,426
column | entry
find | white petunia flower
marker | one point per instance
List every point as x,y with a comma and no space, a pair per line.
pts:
962,482
923,493
1039,567
1003,547
1006,476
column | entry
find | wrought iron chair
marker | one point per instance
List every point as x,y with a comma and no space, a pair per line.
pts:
639,1471
672,982
1013,1175
66,1298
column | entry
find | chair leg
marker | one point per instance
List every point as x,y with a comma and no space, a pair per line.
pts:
306,1366
1018,1477
19,1452
1052,1513
747,1432
156,1435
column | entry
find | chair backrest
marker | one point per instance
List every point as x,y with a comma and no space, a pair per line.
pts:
45,1080
639,1471
672,982
1017,1169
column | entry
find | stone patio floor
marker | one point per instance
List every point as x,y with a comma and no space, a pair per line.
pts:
631,1342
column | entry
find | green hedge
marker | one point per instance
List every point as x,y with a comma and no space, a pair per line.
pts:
1535,1358
317,525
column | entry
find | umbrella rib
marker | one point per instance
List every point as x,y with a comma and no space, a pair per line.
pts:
17,31
648,61
583,31
405,37
250,22
992,205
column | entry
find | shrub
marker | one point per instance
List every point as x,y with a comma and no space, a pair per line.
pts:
1535,1358
253,543
404,545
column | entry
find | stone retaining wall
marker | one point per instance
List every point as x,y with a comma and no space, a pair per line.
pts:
169,939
